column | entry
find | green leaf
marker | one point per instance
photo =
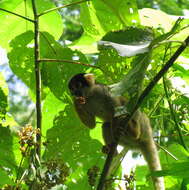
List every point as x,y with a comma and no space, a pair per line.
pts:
172,183
21,58
51,107
141,177
51,22
131,35
180,170
7,157
181,72
111,63
185,184
177,150
128,42
182,101
86,44
56,75
69,140
5,179
99,17
96,133
171,7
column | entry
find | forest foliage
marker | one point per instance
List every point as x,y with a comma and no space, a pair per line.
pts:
81,37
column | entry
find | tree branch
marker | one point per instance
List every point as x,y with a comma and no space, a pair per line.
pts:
37,77
139,102
165,150
68,61
61,7
17,15
161,72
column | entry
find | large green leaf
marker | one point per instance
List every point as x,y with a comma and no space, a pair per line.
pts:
55,75
181,72
70,141
51,22
5,179
21,58
179,169
130,35
141,178
178,151
51,108
99,17
7,157
85,44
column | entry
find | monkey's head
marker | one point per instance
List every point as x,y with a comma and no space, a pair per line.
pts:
78,83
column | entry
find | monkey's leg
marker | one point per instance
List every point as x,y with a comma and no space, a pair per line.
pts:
150,154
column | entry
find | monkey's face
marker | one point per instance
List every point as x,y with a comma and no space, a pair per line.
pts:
78,84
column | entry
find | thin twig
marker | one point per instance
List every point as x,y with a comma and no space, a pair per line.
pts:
144,94
20,164
165,150
37,78
57,8
17,15
171,107
173,115
21,178
170,135
68,61
156,105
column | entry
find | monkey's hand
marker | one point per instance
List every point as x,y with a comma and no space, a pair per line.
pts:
80,100
86,117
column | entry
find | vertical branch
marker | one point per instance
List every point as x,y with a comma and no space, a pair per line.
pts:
37,77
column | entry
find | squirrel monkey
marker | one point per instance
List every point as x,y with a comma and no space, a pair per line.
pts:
93,100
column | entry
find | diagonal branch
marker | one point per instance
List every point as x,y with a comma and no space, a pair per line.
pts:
68,61
17,15
61,7
144,94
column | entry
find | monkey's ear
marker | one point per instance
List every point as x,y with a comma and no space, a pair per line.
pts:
90,78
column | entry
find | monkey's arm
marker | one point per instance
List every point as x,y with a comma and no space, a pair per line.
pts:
86,118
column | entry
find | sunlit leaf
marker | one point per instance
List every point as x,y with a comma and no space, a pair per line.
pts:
51,22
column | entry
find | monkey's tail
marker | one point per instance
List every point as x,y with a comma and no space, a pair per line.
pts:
150,153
